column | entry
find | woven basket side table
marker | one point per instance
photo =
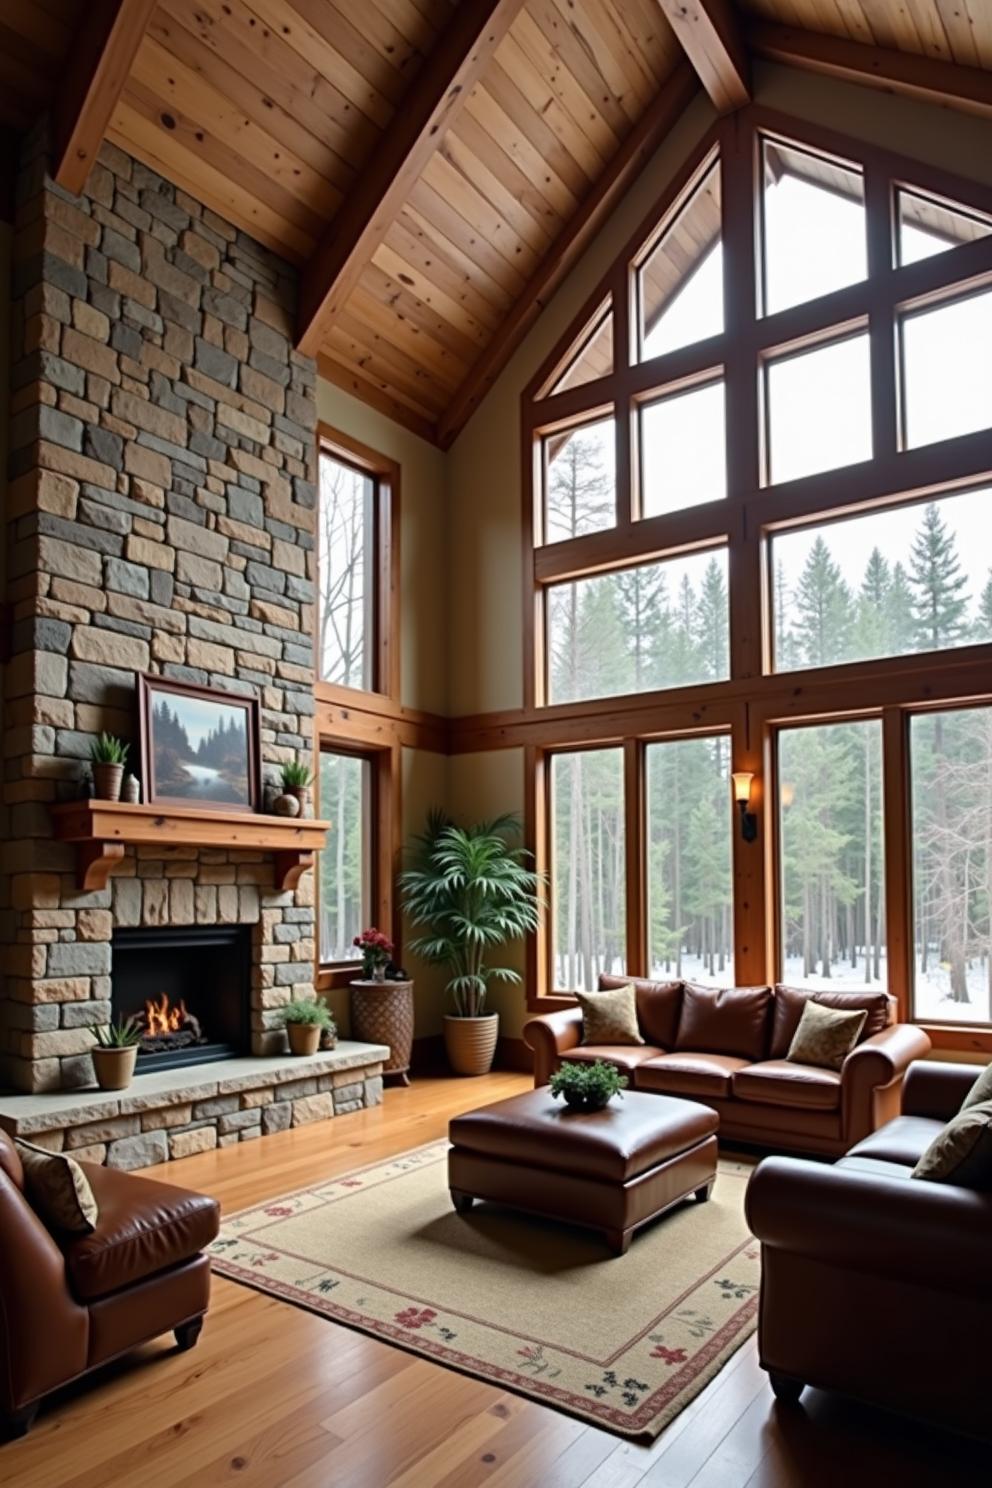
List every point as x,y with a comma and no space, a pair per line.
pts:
382,1013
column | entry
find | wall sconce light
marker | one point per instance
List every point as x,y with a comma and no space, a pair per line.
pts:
742,795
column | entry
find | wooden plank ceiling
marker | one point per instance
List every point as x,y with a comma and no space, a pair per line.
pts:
274,113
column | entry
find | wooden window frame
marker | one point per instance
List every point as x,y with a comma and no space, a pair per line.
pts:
755,701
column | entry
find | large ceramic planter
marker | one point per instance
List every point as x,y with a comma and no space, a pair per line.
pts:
107,781
114,1068
304,1038
470,1043
382,1013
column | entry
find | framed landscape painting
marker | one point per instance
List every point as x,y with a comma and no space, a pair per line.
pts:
199,746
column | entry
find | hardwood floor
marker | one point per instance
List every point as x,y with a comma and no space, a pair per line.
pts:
274,1397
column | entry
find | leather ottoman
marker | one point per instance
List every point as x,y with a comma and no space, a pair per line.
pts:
612,1170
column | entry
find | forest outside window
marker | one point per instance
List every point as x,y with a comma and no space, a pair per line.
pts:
346,574
345,889
579,481
588,874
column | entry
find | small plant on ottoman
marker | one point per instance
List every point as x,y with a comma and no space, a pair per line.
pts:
306,1020
588,1087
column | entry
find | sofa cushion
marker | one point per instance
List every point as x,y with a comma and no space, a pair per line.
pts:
825,1036
725,1020
980,1091
903,1140
776,1082
144,1227
962,1151
625,1057
688,1073
58,1190
788,1004
658,1007
610,1017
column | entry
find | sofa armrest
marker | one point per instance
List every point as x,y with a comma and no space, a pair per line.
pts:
551,1036
935,1235
936,1088
871,1078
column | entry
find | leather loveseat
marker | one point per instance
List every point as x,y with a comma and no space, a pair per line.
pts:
727,1047
876,1284
70,1304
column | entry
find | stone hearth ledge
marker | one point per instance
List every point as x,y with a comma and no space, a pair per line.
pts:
175,1113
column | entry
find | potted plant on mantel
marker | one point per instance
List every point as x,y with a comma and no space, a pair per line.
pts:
115,1053
306,1021
473,890
108,756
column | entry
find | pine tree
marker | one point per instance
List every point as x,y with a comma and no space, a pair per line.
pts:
824,609
982,627
711,623
899,613
871,625
940,598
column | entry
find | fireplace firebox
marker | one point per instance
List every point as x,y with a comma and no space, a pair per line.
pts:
187,988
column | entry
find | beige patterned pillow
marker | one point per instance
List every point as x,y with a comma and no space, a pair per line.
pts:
825,1036
981,1091
610,1017
962,1152
58,1190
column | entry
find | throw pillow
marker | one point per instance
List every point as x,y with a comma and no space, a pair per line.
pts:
58,1190
610,1017
962,1152
981,1091
825,1036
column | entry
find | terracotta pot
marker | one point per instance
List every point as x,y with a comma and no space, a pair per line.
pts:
470,1043
107,782
114,1067
304,1038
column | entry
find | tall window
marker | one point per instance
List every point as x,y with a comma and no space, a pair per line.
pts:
346,862
760,481
951,764
346,574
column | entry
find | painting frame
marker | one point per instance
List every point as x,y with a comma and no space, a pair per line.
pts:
150,689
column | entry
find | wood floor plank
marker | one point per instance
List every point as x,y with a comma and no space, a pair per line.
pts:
277,1397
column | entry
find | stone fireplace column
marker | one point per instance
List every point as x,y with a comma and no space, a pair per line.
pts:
160,517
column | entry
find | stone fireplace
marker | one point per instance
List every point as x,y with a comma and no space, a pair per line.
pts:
159,518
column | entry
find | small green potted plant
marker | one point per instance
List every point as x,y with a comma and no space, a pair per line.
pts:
306,1020
587,1087
296,779
471,888
116,1052
108,756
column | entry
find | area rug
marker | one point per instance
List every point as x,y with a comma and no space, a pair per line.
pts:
532,1306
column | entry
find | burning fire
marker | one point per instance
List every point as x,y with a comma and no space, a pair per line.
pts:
161,1017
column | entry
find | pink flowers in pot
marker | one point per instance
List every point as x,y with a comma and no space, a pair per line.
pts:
377,951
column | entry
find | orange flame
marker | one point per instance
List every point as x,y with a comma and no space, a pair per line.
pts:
161,1017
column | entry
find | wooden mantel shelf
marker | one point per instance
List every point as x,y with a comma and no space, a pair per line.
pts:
102,829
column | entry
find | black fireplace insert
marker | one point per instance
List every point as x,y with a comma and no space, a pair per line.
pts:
187,987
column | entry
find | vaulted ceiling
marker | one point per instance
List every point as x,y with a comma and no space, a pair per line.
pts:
435,166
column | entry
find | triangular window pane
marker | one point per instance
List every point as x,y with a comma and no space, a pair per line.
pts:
680,279
590,357
929,225
814,226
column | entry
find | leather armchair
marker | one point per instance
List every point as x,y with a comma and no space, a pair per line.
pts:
70,1304
875,1284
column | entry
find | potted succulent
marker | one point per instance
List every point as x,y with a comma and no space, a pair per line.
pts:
307,1020
587,1087
115,1053
296,778
473,891
108,756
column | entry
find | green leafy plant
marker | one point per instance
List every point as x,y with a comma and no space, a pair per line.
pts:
588,1087
295,775
106,749
471,887
125,1033
310,1011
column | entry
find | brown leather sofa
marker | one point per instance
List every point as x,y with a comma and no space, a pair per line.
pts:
727,1047
70,1305
875,1284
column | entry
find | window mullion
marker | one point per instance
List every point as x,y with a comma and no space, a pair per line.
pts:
635,838
898,858
881,322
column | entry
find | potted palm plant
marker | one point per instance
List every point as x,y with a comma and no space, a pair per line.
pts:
472,891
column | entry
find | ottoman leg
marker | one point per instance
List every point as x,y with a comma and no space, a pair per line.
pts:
462,1201
702,1194
618,1241
188,1333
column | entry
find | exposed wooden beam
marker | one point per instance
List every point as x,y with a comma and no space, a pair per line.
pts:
436,96
103,49
583,226
711,38
950,84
